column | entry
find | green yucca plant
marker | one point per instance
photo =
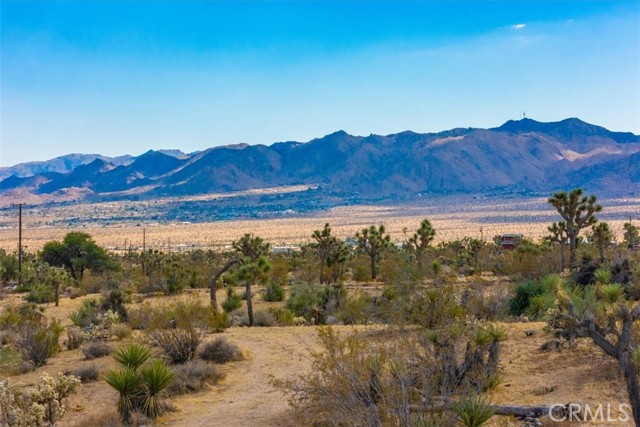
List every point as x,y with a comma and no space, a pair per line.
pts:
139,386
496,332
156,376
603,276
127,383
473,411
132,356
610,294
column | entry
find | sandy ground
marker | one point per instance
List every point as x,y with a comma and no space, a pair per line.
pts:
246,398
453,218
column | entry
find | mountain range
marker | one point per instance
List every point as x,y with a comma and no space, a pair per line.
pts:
519,156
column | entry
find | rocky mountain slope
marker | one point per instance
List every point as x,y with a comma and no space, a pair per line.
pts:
521,155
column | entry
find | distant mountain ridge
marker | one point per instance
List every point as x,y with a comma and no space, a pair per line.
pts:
521,155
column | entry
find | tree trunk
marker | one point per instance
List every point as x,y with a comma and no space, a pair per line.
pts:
633,387
572,248
249,304
57,297
561,257
374,271
601,247
214,281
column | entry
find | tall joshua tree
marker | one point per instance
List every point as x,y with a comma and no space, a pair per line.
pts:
422,239
324,242
601,235
248,249
578,212
373,241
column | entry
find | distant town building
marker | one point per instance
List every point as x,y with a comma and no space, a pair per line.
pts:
508,241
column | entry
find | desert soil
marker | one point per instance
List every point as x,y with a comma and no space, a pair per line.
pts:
245,397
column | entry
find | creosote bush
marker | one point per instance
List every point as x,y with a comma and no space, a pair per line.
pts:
192,377
95,350
221,351
38,340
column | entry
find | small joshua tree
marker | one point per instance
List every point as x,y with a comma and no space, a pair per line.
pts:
373,241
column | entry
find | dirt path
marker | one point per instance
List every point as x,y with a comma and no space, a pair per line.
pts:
246,397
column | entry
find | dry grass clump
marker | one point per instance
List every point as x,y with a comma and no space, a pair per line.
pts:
192,377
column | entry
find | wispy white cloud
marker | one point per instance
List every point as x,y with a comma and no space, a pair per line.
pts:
518,26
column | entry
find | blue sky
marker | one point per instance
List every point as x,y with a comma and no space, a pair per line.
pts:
123,77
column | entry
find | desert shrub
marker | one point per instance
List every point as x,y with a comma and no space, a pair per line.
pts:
85,374
233,300
192,377
13,316
115,300
148,317
75,337
37,341
357,309
264,318
489,306
86,314
95,350
282,316
310,301
105,419
121,330
273,292
188,321
138,383
41,293
525,291
179,343
221,351
38,407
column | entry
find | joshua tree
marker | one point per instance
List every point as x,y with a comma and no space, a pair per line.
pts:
612,326
422,239
247,249
631,234
559,235
601,235
252,272
56,277
373,241
324,242
578,212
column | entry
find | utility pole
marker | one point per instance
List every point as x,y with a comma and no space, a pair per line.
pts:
144,247
20,244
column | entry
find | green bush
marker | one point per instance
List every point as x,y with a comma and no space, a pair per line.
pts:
524,293
41,293
273,292
233,300
86,314
38,341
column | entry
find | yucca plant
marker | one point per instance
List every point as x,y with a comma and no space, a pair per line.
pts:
602,275
473,411
132,356
138,386
156,376
610,294
127,383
